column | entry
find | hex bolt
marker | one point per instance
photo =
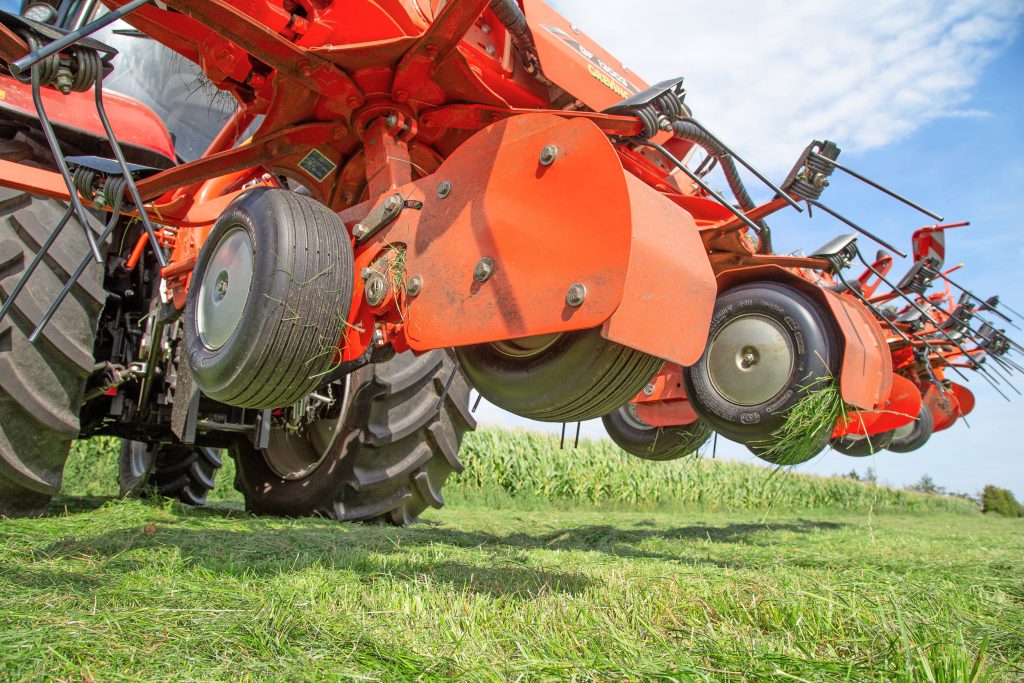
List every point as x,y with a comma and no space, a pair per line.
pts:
391,120
414,285
483,270
392,202
365,273
649,390
486,28
358,230
444,188
548,155
490,50
375,289
576,294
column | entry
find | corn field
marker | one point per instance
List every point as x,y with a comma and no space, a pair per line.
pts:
518,464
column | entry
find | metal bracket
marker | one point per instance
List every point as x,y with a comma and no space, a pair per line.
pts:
382,215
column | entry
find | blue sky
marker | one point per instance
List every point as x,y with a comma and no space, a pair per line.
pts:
924,96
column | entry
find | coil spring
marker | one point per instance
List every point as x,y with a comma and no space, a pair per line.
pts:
662,111
88,66
113,191
809,184
77,74
49,68
84,180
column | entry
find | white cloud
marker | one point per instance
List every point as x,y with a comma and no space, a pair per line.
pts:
769,77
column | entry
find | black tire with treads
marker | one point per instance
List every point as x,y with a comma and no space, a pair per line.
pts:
41,384
395,449
185,473
654,443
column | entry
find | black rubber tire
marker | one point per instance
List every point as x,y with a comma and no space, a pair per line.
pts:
392,456
861,448
919,435
809,327
297,305
581,376
41,384
185,473
655,443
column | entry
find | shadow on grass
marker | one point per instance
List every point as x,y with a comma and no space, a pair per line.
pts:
261,547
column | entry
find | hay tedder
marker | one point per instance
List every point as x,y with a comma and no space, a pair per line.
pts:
301,230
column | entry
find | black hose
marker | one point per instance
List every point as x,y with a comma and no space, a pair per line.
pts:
511,16
687,131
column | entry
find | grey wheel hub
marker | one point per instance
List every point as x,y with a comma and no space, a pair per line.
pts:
750,360
225,288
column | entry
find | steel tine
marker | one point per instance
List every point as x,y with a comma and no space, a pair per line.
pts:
874,309
789,200
36,260
856,227
115,216
62,165
132,188
927,317
978,299
19,66
700,181
877,186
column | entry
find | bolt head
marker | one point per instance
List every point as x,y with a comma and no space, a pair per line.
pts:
414,285
391,120
490,50
483,270
486,28
392,202
358,230
444,188
548,155
649,390
576,294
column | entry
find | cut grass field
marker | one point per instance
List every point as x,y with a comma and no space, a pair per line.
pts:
583,584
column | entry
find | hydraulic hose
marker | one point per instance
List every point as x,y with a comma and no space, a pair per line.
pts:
511,16
687,131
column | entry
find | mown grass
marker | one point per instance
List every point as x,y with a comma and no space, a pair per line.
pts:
127,590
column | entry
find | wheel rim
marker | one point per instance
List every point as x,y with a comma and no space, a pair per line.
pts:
293,457
750,360
526,347
225,288
904,431
630,416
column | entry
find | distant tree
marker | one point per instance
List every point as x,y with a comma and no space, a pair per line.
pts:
927,485
870,476
999,501
852,474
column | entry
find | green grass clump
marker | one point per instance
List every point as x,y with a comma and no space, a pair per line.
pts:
808,425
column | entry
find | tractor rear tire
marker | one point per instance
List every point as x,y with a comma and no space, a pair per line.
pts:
185,473
916,434
42,384
394,444
645,441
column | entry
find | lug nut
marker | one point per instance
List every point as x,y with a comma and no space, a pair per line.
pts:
444,188
548,155
414,285
483,270
576,294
